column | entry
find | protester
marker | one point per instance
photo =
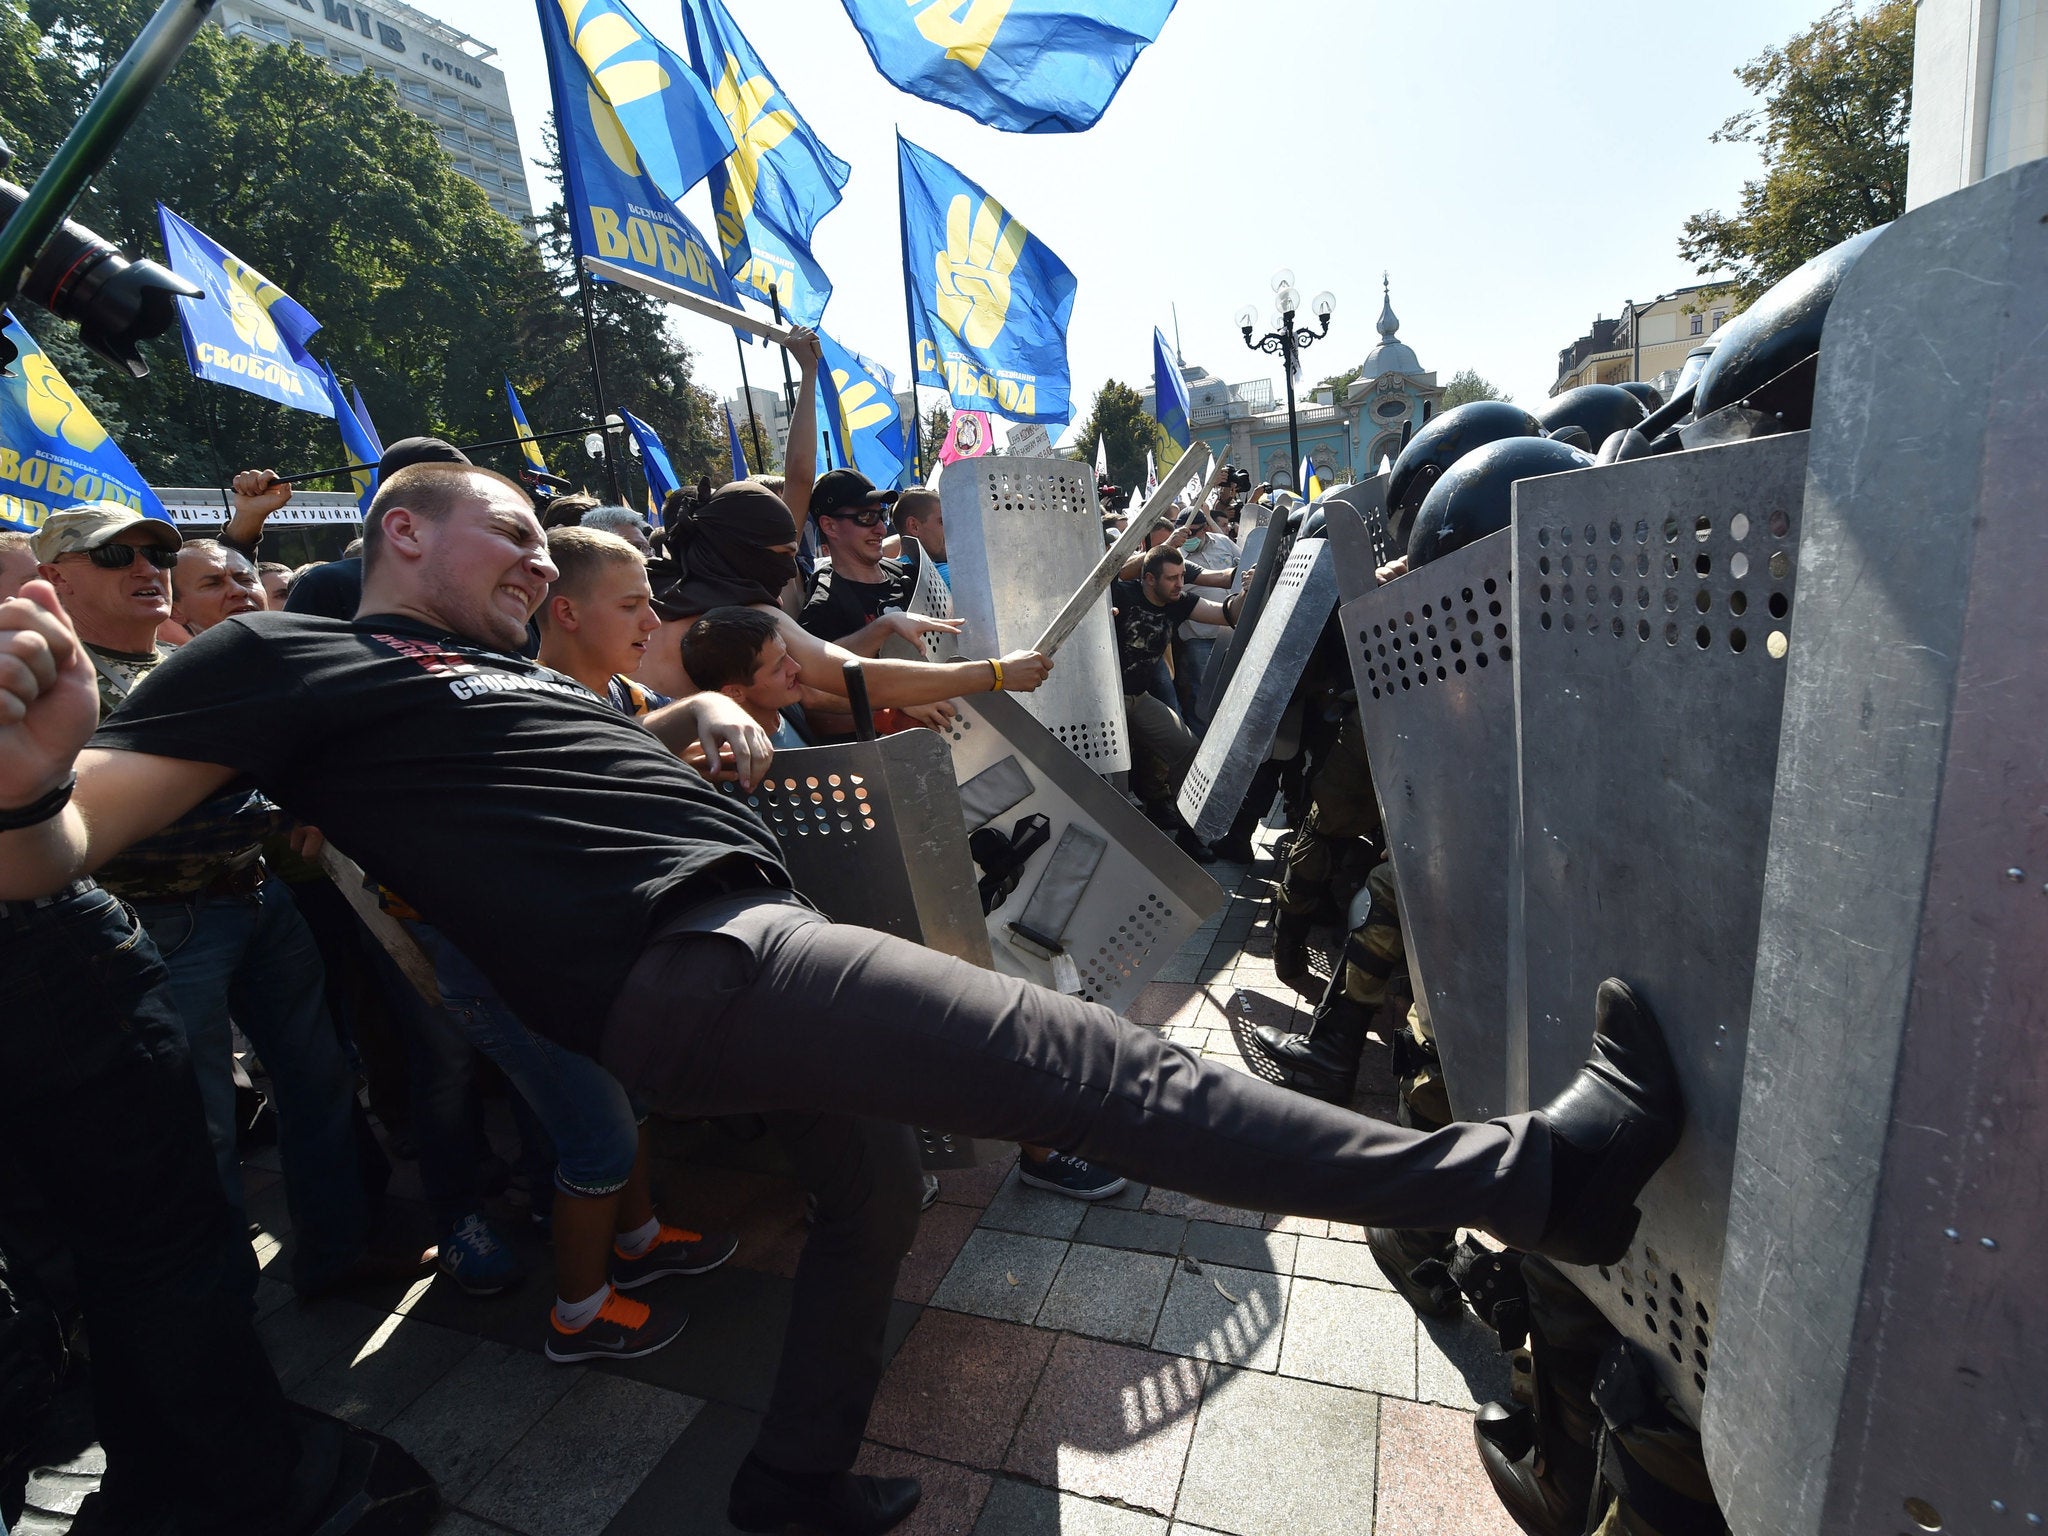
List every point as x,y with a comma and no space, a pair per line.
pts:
1145,613
17,563
623,521
919,516
224,927
599,615
332,590
277,583
566,511
848,597
212,582
471,778
1209,554
740,652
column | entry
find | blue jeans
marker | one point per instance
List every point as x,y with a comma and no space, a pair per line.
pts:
252,958
99,1109
594,1125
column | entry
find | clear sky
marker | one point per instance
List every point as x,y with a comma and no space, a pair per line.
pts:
1517,168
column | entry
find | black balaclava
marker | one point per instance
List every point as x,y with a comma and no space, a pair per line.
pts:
721,555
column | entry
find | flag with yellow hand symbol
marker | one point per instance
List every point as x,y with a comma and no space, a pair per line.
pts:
1025,66
861,413
780,179
638,129
247,332
989,302
53,451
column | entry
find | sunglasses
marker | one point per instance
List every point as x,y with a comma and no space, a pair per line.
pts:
118,557
865,517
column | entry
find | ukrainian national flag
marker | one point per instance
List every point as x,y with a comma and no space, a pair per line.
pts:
654,461
1169,393
529,449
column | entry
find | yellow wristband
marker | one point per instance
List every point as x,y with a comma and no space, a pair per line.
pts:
997,668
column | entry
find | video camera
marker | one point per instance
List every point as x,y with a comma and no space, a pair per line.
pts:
1240,481
81,277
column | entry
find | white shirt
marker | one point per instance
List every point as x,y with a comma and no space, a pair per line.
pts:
1216,554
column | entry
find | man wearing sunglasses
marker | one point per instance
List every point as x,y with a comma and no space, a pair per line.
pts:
112,568
848,598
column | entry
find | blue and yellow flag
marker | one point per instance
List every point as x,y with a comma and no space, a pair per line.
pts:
1025,66
53,452
355,402
620,207
247,332
654,461
861,417
732,443
780,180
1169,392
1311,483
529,449
988,301
358,443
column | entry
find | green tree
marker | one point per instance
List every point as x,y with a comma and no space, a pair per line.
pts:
1837,100
1337,383
936,426
1467,385
346,200
1120,419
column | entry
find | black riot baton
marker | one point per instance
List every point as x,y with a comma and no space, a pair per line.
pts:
857,696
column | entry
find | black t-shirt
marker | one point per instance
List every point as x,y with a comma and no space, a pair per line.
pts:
839,605
1143,631
519,812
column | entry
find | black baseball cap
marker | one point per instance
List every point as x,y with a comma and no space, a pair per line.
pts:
841,490
408,451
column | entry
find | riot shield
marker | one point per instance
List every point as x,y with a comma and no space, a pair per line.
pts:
1241,731
1023,534
1650,604
1357,518
1223,661
1882,1342
933,599
871,833
1433,666
1121,909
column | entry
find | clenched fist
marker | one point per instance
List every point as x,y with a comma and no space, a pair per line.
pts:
48,705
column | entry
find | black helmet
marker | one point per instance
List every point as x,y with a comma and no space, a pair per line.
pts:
1317,524
1439,445
1474,497
1647,393
1598,410
1778,330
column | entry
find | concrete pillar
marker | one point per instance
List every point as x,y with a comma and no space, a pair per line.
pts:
1980,92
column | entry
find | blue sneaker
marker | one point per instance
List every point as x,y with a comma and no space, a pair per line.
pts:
476,1258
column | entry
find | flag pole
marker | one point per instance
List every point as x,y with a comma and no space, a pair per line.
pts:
909,315
788,383
753,421
604,415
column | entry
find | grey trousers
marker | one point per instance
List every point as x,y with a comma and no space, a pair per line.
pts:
843,1037
1162,747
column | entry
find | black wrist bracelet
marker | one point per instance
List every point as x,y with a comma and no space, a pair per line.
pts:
39,811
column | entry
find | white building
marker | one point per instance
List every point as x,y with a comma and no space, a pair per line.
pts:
440,74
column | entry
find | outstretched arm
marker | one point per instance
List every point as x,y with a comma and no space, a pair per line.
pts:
900,683
48,708
800,449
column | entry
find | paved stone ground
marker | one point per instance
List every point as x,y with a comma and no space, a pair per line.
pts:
1147,1366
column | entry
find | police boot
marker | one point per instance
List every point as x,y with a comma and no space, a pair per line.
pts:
1324,1062
1539,1452
1290,949
1418,1264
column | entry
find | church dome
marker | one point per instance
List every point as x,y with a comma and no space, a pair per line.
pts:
1391,355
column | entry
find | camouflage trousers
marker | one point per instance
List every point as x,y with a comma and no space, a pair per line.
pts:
1337,834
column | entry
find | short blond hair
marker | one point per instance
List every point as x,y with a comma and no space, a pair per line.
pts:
580,553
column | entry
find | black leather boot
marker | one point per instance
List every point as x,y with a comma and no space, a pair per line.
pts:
1290,950
1418,1264
1610,1130
766,1499
1324,1062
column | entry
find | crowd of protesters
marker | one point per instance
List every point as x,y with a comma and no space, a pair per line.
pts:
509,711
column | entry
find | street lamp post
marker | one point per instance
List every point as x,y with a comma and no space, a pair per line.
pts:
599,446
1287,343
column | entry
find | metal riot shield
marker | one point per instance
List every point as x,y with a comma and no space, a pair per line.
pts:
1120,917
1241,732
1650,600
1882,1342
1433,666
871,833
1223,660
1357,518
934,600
1023,534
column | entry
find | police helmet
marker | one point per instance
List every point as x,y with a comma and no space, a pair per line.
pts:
1317,524
1779,329
1646,393
1598,410
1475,495
1439,445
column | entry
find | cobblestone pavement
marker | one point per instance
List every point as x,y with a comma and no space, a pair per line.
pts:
1146,1366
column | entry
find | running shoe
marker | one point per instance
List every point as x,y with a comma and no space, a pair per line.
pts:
674,1251
476,1258
624,1329
1073,1177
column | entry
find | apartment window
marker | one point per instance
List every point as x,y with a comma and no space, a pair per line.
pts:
1719,316
1698,324
448,101
276,29
416,91
348,63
